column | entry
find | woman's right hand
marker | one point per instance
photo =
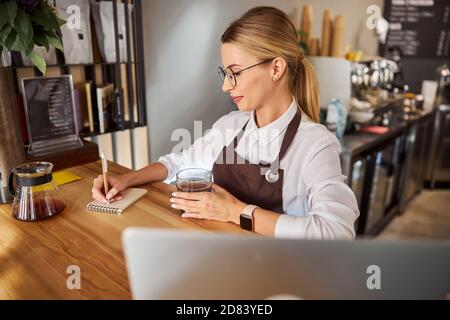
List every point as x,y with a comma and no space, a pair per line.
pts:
116,186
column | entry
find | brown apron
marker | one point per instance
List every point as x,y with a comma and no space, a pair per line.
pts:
247,181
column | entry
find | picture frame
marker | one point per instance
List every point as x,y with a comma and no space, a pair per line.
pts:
50,114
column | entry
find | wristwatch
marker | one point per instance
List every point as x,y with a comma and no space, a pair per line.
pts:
246,218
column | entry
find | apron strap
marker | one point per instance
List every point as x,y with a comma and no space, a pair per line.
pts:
230,149
290,134
287,140
239,136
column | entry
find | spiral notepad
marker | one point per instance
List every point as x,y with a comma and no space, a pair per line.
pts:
130,196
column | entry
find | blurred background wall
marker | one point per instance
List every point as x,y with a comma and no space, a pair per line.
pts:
182,52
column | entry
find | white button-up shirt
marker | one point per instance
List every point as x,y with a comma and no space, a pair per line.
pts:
318,204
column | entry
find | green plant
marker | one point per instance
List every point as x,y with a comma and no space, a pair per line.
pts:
25,24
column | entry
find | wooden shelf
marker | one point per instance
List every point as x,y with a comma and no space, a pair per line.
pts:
128,78
69,158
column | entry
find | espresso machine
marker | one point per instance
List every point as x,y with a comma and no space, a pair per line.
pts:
443,94
438,171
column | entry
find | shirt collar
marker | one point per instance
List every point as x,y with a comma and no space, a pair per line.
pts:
274,129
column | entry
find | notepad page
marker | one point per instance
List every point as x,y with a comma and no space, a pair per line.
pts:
130,196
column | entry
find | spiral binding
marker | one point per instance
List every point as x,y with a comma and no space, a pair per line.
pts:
103,209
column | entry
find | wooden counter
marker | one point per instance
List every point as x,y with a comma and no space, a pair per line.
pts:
34,256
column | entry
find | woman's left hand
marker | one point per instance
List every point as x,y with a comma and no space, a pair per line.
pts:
219,205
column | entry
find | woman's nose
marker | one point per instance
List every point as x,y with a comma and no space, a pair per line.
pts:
226,86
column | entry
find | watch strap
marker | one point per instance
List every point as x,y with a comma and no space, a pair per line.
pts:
246,219
249,209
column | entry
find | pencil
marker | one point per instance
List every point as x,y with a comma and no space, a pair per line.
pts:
105,175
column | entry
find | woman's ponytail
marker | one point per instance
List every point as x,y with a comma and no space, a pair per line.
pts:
306,89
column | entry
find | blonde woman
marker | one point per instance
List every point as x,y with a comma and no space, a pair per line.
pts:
285,179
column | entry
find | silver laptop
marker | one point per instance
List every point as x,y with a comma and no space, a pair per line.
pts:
166,264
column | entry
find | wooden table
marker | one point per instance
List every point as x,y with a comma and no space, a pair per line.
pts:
34,256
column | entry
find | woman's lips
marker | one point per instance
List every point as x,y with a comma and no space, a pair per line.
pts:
237,99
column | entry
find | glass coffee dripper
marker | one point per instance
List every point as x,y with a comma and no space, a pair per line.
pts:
36,195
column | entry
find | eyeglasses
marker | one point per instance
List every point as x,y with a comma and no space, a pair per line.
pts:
231,75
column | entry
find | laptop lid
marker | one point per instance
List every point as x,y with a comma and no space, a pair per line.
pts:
168,264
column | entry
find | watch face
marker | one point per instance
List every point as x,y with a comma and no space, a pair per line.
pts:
246,223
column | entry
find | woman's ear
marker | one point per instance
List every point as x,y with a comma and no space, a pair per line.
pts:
278,68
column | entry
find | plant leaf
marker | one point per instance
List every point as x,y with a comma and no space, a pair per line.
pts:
3,15
30,48
11,10
45,17
10,39
38,61
55,42
18,44
41,40
4,32
60,21
41,19
23,27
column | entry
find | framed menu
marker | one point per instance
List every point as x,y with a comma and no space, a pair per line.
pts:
420,28
50,114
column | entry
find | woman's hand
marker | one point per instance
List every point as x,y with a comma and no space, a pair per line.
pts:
217,205
116,186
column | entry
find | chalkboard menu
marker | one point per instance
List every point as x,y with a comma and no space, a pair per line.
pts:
50,116
420,28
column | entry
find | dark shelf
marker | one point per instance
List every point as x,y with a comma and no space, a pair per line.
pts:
86,134
77,65
69,158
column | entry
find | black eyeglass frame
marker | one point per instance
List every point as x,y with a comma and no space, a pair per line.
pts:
224,74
